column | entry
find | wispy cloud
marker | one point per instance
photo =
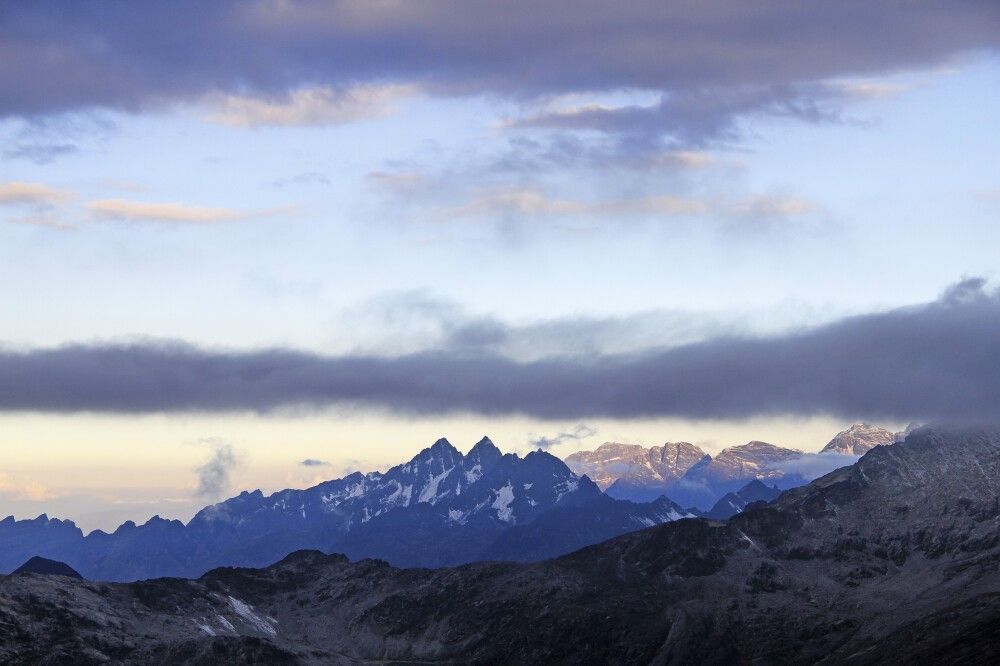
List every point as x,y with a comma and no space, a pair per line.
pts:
534,203
313,462
815,465
34,204
581,431
214,476
40,153
309,106
26,490
136,211
693,117
402,181
302,179
873,90
20,192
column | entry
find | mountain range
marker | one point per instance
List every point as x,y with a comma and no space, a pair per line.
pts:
682,471
440,508
693,478
889,560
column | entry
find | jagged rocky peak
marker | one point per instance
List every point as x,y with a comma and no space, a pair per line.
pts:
754,454
437,458
635,463
484,452
442,444
859,439
443,449
680,456
606,454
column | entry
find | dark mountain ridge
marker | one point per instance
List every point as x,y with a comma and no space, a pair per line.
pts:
733,503
891,560
46,567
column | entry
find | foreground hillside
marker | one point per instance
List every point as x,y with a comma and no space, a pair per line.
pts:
891,560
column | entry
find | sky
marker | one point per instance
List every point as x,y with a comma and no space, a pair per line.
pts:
236,237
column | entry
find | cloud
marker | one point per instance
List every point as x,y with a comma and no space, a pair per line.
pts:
309,106
306,178
36,203
214,476
527,203
770,206
697,117
966,290
30,491
873,90
42,219
40,153
289,63
398,181
313,462
406,322
930,362
581,431
814,465
135,211
19,192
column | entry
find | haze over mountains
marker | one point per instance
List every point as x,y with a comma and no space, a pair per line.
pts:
892,559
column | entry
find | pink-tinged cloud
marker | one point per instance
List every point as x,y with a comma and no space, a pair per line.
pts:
137,211
20,192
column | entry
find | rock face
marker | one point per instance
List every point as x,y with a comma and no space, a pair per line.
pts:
42,566
891,560
859,439
682,471
635,464
441,508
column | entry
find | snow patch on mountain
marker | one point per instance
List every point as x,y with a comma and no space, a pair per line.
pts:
430,492
502,504
245,611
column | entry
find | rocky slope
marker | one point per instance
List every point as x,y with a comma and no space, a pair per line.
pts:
440,508
891,560
859,439
635,464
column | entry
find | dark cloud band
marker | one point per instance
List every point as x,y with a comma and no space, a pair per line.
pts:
71,54
936,361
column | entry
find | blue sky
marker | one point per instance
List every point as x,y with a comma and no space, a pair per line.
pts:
740,182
